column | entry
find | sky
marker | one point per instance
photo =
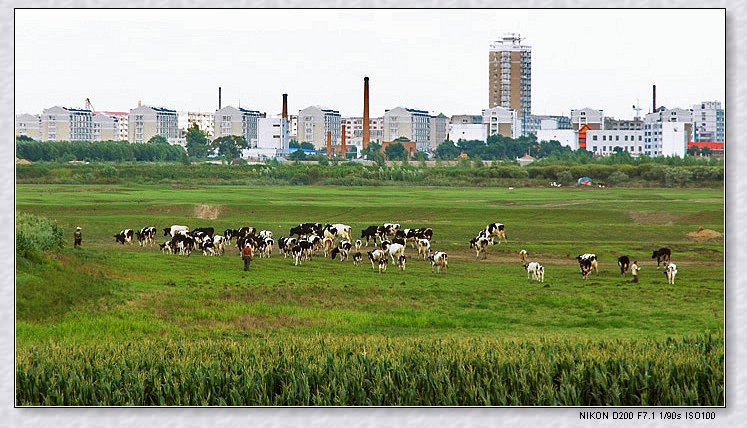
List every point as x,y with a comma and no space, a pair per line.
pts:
427,59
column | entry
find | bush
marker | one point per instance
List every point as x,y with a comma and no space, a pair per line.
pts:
617,177
35,235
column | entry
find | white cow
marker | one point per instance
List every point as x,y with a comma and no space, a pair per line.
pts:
670,271
536,271
439,260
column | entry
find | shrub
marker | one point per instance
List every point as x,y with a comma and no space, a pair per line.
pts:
37,234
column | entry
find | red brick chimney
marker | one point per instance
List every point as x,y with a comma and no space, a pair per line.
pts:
285,106
329,143
366,131
342,149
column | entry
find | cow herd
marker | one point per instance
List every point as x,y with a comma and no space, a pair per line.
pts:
390,241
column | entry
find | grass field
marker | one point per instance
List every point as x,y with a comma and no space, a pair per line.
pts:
109,295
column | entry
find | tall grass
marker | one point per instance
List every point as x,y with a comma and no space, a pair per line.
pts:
375,371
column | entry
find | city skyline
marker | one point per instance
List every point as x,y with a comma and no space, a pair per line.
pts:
420,59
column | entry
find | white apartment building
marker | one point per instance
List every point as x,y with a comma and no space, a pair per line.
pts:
587,116
409,123
122,119
603,142
204,120
239,121
145,122
566,137
501,121
709,122
105,128
315,122
439,130
66,124
667,131
354,130
28,125
467,132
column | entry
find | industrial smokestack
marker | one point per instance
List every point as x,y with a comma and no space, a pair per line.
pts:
366,131
654,98
342,149
329,143
285,106
219,98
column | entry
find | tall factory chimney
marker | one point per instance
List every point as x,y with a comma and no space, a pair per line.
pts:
366,130
285,106
219,98
342,143
329,143
654,99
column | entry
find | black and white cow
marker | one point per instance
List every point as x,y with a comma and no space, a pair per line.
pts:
662,255
286,245
343,248
174,230
480,244
371,232
401,262
207,231
536,271
496,230
395,250
229,234
439,260
357,258
207,247
375,257
586,262
424,248
382,264
624,263
342,231
305,229
183,244
297,253
389,229
670,271
146,235
592,258
124,236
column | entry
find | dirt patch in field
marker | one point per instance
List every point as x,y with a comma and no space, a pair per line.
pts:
702,235
653,217
208,211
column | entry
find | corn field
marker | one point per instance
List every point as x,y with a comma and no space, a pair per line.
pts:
375,371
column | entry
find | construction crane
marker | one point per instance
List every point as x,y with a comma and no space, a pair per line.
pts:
89,106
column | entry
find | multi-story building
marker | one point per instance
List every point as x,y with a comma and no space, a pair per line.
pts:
66,124
145,122
105,128
666,132
204,120
28,125
708,122
594,119
315,123
439,130
501,121
635,124
510,75
410,123
603,142
354,130
122,119
239,121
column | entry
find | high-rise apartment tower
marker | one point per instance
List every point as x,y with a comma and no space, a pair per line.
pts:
510,80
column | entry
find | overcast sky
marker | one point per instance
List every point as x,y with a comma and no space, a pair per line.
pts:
434,60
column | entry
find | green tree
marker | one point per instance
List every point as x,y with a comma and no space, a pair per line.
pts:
447,150
370,151
229,146
158,139
396,151
197,143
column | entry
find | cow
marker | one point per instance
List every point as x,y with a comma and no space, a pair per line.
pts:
286,246
264,234
592,259
166,248
670,271
401,261
375,257
389,229
229,234
497,230
305,229
209,231
424,248
358,244
536,271
439,260
342,231
297,253
207,247
182,243
219,241
382,264
624,263
123,236
266,249
523,256
357,258
174,230
246,231
662,255
146,235
586,263
371,232
480,244
395,251
342,248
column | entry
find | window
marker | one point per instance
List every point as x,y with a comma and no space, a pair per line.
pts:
594,138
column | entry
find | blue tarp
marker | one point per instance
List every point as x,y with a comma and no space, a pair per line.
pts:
584,181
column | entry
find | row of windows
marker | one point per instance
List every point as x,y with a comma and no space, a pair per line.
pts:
617,138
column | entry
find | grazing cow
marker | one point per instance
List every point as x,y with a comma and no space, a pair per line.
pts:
209,231
480,244
342,248
670,271
357,258
207,247
401,261
316,242
375,256
424,248
592,258
439,260
395,251
183,244
536,271
343,231
229,234
307,248
266,248
358,244
246,231
297,252
382,264
264,234
124,236
523,256
662,255
389,229
166,247
371,232
327,245
624,263
286,246
305,229
219,241
496,230
146,235
174,230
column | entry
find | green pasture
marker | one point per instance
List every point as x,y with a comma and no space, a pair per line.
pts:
106,291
